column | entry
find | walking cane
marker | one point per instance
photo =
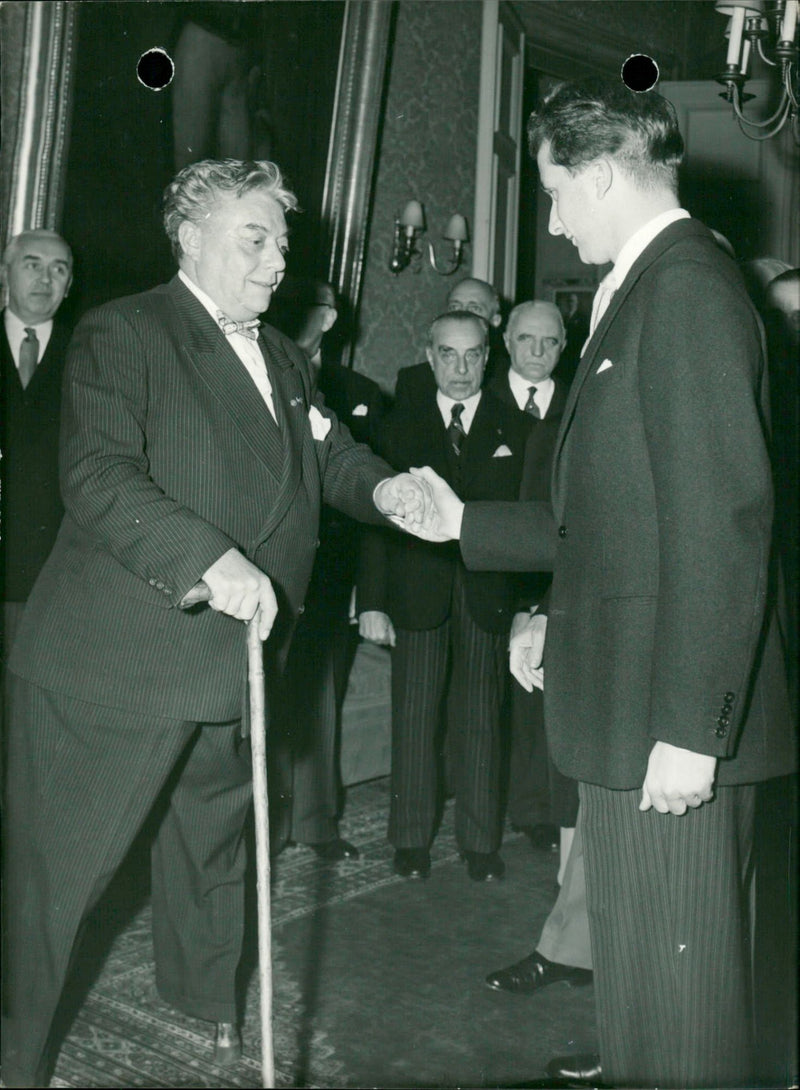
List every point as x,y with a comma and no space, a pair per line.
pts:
258,748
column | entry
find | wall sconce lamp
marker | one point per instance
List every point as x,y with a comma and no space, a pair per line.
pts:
409,226
455,232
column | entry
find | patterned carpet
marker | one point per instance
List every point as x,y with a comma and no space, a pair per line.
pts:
361,960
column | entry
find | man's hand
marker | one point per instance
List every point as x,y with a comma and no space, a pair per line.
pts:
242,590
443,522
405,500
376,627
526,649
677,779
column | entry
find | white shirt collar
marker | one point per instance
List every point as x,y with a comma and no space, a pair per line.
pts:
470,404
641,239
520,386
212,307
15,333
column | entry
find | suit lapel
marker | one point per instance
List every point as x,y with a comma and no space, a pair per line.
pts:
483,440
660,244
207,350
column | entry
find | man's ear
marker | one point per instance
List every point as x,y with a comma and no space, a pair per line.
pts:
329,320
495,320
602,176
505,341
189,238
429,354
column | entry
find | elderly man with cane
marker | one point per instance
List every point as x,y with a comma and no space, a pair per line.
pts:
193,456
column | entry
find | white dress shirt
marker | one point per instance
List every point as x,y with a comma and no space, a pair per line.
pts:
15,334
520,388
446,404
245,348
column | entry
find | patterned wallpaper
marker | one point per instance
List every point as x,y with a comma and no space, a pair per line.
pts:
427,151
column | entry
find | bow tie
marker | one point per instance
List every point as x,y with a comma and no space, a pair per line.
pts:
247,329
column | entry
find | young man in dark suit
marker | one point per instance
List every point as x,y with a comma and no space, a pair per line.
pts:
193,450
662,591
37,273
449,628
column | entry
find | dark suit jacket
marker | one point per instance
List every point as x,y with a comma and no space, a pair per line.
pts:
663,503
411,580
358,403
537,467
31,501
169,458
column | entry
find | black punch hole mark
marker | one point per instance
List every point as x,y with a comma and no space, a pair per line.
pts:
640,72
155,69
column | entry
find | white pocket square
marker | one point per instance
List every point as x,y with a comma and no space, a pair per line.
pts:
360,410
320,425
502,452
604,366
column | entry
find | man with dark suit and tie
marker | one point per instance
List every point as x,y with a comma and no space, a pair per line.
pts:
662,591
192,451
540,799
37,273
449,628
306,757
473,295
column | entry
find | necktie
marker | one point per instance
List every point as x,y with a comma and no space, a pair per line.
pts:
530,405
247,329
603,296
28,356
455,429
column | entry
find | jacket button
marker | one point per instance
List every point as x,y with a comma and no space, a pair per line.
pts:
720,732
562,531
160,585
152,582
723,721
729,698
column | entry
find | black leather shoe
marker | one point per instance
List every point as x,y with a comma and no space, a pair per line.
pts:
412,862
484,866
227,1044
534,972
333,851
545,838
583,1068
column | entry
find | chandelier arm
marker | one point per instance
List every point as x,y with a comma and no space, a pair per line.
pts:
765,135
787,81
737,107
763,55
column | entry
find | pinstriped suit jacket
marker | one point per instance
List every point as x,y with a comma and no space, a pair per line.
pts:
169,457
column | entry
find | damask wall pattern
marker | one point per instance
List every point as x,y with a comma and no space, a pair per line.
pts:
427,151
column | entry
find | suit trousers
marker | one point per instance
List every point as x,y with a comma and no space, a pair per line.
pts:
82,779
471,663
311,735
668,900
565,934
537,792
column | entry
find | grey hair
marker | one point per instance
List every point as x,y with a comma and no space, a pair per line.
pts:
16,242
192,192
543,304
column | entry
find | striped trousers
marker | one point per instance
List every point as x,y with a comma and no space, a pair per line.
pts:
668,901
81,781
462,664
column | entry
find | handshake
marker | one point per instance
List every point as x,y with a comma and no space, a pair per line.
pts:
422,504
